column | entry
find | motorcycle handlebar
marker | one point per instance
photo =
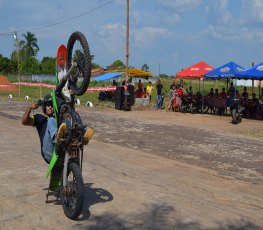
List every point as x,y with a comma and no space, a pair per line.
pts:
65,78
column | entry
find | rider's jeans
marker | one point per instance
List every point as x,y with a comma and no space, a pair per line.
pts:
49,138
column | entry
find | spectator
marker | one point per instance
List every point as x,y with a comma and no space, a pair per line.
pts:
223,93
171,98
221,111
245,102
149,90
211,93
231,91
179,90
260,106
114,83
190,91
139,92
173,84
245,94
145,94
253,106
216,93
230,95
159,98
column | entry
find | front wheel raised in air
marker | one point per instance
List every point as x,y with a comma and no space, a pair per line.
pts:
78,52
72,196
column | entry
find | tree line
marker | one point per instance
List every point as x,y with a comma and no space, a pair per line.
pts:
29,64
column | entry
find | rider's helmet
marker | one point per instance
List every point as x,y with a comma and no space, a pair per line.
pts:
46,100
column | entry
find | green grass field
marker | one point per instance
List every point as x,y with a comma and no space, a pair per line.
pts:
35,93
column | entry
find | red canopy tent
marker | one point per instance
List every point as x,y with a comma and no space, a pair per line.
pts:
195,71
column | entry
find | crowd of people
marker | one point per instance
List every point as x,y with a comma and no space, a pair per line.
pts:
216,101
253,107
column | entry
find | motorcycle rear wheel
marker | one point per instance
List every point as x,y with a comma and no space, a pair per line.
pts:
235,117
78,51
72,196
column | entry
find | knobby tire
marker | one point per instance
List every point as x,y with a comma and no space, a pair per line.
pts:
77,196
83,70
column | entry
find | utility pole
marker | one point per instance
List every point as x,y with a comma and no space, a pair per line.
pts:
126,92
127,39
252,80
18,64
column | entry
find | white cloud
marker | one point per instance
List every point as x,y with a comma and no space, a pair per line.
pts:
136,17
179,5
112,36
252,11
218,13
244,35
171,19
147,35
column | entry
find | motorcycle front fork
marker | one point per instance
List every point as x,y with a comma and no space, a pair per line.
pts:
65,173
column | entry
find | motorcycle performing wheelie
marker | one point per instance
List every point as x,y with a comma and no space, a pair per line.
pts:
65,167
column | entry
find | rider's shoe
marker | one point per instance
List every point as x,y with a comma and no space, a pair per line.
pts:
61,132
88,135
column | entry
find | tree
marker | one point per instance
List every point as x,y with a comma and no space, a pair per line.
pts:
163,75
145,68
29,45
30,66
118,63
48,65
95,65
5,65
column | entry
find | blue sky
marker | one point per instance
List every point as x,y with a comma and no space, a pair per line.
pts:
172,34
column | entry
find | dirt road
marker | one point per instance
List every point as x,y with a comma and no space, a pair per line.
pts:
142,170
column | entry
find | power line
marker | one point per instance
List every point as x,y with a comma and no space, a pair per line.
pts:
57,23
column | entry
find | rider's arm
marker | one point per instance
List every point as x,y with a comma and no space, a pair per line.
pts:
27,119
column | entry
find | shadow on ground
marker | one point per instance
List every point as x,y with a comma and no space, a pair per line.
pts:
159,218
91,196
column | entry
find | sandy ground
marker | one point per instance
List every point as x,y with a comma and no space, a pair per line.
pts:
142,170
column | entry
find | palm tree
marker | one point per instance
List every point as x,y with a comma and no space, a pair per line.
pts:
29,45
145,68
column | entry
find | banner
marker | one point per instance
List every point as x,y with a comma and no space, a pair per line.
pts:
95,89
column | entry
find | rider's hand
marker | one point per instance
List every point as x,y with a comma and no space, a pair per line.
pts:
34,105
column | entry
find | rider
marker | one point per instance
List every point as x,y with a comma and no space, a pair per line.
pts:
47,127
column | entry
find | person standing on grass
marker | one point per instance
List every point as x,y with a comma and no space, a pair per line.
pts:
149,90
159,99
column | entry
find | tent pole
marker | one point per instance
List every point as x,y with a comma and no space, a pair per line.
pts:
202,97
259,86
235,88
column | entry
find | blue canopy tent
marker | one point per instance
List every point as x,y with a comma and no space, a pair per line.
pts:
229,70
254,73
108,76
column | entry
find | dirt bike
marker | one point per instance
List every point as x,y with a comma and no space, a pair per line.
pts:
236,111
186,104
65,167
